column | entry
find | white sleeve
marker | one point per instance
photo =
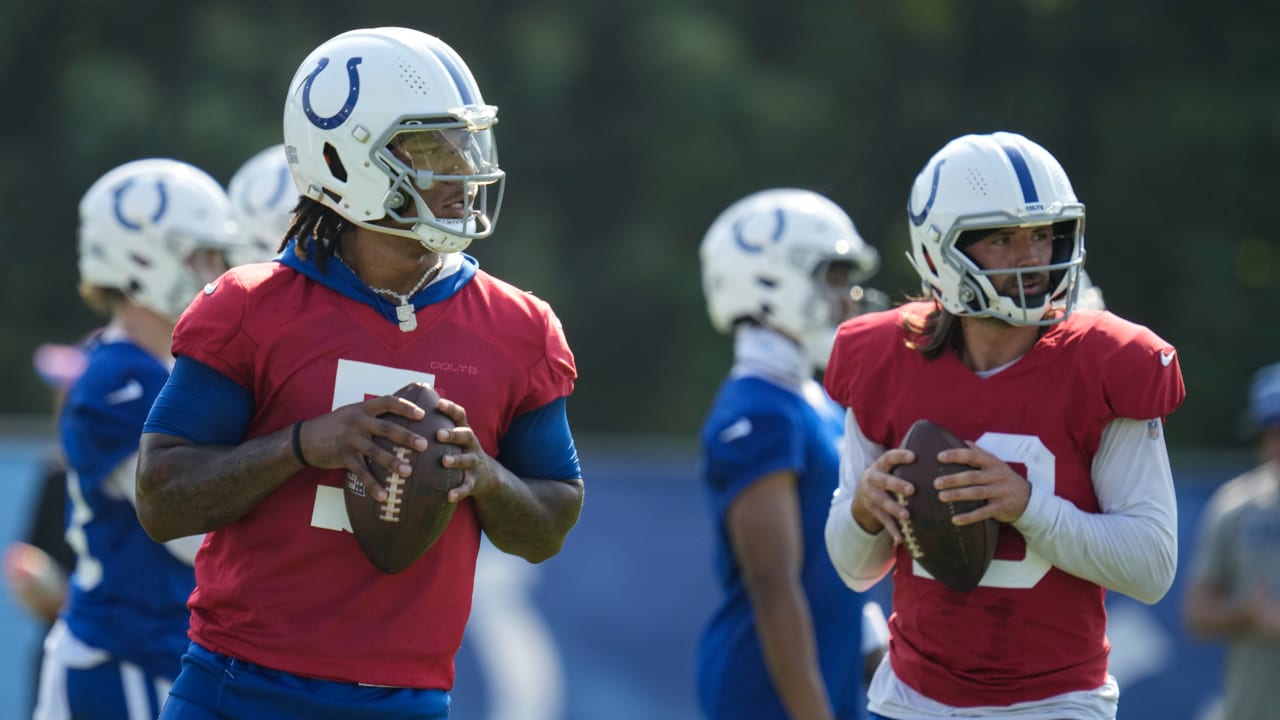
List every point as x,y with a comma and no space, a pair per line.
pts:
1132,545
860,557
123,485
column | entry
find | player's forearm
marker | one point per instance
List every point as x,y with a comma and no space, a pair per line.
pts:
1131,546
860,558
785,628
185,489
529,517
1133,554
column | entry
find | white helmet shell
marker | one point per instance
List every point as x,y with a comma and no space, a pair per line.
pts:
140,225
991,181
262,197
761,259
359,92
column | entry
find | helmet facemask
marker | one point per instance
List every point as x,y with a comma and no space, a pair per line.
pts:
834,298
455,163
986,293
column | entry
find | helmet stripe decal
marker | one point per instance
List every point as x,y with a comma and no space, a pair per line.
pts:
118,196
1029,194
459,78
918,220
344,112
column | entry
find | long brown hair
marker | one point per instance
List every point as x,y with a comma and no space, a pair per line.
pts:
935,333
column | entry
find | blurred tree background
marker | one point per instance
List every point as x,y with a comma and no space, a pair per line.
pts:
626,126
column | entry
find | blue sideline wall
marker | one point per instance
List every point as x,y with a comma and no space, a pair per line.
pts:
607,629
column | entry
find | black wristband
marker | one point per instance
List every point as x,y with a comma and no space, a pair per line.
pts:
297,444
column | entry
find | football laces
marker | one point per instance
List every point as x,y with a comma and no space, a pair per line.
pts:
395,491
908,532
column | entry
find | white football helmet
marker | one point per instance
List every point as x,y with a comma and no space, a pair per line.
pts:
142,226
262,197
991,181
766,258
375,115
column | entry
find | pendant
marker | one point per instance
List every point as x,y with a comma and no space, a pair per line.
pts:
408,320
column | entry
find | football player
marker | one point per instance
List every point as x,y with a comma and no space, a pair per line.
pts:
262,200
1234,592
284,368
151,233
1065,411
780,270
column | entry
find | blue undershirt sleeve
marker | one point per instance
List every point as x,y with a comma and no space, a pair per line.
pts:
538,444
202,405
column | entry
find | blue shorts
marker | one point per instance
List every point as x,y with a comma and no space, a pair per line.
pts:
213,686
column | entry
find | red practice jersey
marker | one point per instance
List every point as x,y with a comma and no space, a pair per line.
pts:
286,586
1030,630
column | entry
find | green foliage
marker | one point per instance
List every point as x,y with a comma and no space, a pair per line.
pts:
627,126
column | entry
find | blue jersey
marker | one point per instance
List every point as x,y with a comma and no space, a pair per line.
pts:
756,427
128,594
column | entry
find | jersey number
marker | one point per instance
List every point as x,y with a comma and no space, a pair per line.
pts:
1031,452
354,382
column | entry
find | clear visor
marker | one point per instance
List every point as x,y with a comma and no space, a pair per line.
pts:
443,172
448,155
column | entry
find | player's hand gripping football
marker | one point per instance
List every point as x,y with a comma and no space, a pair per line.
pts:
875,503
343,439
1006,492
478,469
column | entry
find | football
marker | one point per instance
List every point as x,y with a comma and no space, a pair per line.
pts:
395,533
956,556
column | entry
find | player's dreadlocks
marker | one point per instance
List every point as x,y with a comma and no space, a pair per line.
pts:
319,230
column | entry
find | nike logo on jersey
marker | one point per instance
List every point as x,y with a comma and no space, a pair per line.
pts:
210,287
132,390
739,429
1166,358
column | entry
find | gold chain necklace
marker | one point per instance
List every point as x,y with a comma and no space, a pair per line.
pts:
405,311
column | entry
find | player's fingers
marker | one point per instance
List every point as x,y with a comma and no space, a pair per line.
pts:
456,412
398,435
891,484
395,461
967,479
394,405
972,455
985,512
462,461
464,489
891,527
892,458
463,436
371,486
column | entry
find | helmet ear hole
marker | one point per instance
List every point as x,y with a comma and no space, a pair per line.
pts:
335,163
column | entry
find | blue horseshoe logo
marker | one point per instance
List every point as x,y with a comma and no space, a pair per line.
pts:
749,247
344,112
918,220
119,209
